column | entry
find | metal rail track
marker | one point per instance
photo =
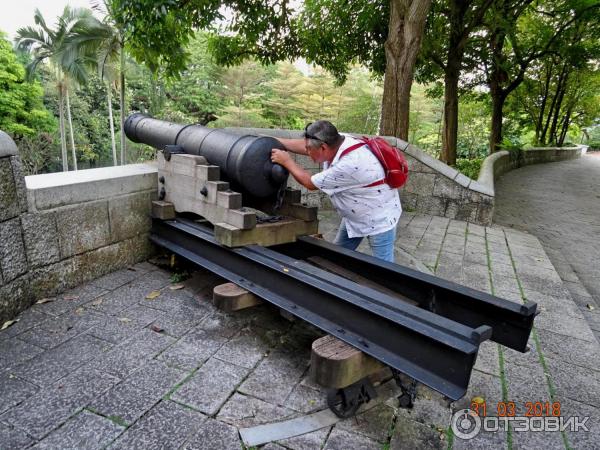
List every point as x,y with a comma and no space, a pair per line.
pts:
430,346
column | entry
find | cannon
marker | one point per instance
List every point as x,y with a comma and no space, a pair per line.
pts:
244,161
226,178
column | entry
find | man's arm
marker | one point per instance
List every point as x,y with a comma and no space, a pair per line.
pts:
301,175
294,145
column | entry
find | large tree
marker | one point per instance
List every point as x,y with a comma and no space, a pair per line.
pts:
383,35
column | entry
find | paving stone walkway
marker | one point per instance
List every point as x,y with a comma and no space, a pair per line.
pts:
560,204
102,366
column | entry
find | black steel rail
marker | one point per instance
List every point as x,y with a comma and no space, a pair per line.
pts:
511,322
430,348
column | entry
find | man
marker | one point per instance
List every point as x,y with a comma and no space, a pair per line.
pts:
353,180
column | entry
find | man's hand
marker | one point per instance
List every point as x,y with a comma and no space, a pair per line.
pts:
281,157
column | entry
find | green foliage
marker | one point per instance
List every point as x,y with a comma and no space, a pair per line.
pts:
469,167
22,111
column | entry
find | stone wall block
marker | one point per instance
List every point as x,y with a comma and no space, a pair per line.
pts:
82,228
9,200
467,212
13,261
41,238
52,279
14,298
436,206
130,215
485,213
19,177
447,188
94,264
415,165
408,200
420,183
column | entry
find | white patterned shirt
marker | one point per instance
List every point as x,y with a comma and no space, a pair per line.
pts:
365,210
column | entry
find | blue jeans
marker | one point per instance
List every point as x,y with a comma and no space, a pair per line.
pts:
382,244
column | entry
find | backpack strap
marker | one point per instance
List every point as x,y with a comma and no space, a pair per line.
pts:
352,148
357,146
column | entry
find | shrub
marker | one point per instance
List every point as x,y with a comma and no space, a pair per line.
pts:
469,167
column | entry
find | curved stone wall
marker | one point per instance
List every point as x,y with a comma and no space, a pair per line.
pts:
501,162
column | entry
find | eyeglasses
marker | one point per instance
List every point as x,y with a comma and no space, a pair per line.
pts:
310,136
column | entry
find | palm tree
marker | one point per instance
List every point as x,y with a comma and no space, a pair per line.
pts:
106,39
49,44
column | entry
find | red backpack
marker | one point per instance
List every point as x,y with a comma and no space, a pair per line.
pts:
392,160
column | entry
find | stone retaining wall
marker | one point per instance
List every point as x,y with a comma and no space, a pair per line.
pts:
499,163
62,229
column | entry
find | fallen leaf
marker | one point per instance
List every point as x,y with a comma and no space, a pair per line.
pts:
590,307
285,269
132,269
156,328
176,287
71,297
478,400
124,319
79,311
8,323
97,302
44,300
152,295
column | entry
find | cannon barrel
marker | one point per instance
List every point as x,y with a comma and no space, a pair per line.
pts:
245,161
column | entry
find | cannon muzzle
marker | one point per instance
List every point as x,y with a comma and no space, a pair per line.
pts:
245,161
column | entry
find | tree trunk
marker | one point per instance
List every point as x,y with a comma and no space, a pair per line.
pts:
61,122
72,136
405,31
112,124
122,104
450,133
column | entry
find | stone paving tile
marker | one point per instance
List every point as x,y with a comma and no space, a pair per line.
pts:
343,440
14,390
564,324
245,411
62,360
573,351
244,350
14,351
120,299
13,438
582,439
117,279
133,353
575,382
282,371
215,377
136,395
82,432
487,358
193,349
26,320
116,329
70,300
481,385
306,399
430,408
374,423
526,384
213,434
61,329
409,434
49,408
308,441
167,426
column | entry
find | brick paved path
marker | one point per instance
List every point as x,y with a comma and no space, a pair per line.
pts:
103,367
560,204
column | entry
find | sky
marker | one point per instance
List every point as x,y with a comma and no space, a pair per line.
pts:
19,13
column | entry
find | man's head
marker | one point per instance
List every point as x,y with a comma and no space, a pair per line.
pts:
322,140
